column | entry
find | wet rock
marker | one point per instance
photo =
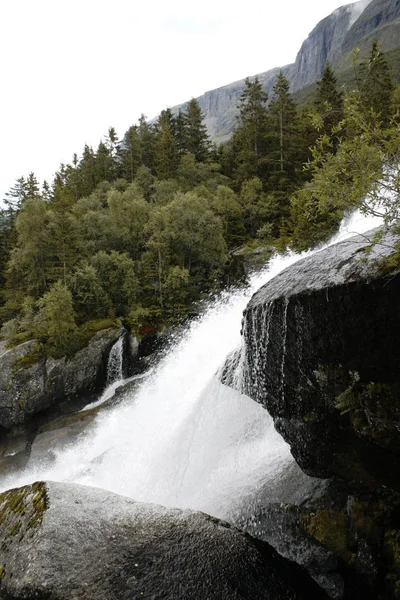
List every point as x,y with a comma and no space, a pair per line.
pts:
321,355
63,541
31,383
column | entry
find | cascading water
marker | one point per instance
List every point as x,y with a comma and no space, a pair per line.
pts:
115,362
183,438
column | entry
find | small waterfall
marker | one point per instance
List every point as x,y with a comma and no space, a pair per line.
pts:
115,362
182,438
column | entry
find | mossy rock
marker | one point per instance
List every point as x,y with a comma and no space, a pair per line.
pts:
21,510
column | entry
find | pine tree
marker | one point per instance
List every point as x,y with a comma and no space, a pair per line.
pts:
196,140
88,172
16,195
179,132
166,151
375,86
147,142
283,137
249,141
329,104
131,153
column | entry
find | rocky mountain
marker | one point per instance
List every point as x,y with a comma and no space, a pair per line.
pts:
333,38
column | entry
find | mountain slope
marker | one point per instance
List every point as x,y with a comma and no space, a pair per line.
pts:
331,40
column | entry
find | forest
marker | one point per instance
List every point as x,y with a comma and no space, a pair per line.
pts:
144,227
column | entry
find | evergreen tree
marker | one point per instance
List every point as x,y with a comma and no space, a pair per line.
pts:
104,163
179,132
328,104
88,171
196,140
166,151
16,195
250,138
131,153
113,146
283,136
147,142
375,85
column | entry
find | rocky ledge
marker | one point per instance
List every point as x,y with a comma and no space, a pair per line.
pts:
64,541
31,382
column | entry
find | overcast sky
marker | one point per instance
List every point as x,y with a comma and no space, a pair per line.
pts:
70,70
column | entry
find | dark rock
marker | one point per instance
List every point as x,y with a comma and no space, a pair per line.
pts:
321,356
64,541
27,389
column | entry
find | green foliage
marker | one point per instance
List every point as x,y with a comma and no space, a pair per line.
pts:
195,137
55,321
375,86
142,227
328,104
250,138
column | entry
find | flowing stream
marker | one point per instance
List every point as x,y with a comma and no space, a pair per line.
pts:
182,438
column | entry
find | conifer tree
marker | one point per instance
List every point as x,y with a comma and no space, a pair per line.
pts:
375,85
147,142
196,140
329,104
131,153
283,137
166,151
87,167
250,138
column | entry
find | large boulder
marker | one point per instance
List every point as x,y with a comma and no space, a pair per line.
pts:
31,382
322,356
66,541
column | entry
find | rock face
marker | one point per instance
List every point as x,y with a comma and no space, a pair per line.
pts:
30,382
64,541
321,352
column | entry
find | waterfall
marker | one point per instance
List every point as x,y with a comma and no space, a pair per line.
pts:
182,438
115,362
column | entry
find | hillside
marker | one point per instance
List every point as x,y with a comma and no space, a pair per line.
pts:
332,39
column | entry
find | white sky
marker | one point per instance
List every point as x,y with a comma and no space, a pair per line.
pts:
70,70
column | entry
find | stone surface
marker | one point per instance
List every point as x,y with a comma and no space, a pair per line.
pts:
65,541
26,391
321,352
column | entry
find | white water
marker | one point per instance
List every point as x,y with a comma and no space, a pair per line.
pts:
184,439
115,360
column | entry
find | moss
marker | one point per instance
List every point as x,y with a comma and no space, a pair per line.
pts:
330,528
30,359
90,328
22,509
347,400
311,417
